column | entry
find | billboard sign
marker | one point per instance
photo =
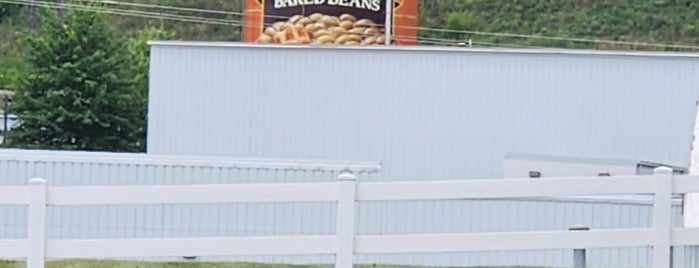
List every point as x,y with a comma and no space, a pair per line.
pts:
339,22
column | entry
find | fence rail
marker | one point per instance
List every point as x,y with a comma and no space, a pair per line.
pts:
346,193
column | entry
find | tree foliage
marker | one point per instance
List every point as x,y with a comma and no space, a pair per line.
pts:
6,10
662,21
138,57
223,18
77,94
12,71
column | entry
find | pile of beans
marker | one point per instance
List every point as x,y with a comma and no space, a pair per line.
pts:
323,29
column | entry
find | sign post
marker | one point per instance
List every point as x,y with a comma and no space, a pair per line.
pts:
388,25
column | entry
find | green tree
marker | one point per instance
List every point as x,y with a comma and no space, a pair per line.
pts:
7,10
457,21
77,94
11,71
662,21
226,12
139,55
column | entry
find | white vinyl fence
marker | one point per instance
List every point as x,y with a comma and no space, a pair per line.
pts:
345,243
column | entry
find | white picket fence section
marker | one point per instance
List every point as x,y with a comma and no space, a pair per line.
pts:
345,243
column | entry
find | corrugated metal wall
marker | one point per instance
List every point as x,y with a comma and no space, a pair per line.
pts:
425,114
434,114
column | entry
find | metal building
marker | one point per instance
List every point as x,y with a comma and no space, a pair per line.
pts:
434,113
424,113
542,166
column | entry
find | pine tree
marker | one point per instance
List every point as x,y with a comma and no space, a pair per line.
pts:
78,94
139,58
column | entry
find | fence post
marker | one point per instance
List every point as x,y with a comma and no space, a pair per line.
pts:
662,208
37,224
579,258
345,220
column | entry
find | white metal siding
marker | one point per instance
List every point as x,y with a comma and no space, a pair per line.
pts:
433,115
423,114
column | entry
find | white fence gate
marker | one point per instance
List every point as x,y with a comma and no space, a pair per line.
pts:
345,243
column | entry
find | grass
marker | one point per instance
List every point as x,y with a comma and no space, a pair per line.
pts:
127,264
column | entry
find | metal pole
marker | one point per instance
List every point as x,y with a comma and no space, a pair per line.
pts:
5,99
579,258
389,20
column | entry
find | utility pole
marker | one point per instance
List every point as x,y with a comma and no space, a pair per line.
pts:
6,99
31,9
60,9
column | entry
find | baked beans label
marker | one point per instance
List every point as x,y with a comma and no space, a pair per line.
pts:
363,9
373,5
340,22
